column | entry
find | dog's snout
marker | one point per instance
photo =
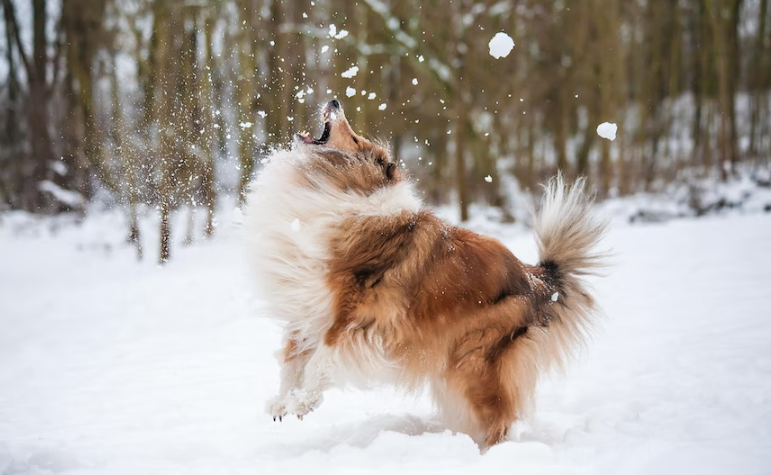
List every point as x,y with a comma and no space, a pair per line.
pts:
334,104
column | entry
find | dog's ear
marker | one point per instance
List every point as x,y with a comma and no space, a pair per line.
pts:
390,170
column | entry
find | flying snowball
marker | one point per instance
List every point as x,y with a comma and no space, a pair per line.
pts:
607,130
501,45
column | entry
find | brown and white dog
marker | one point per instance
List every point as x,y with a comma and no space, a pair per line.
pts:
373,288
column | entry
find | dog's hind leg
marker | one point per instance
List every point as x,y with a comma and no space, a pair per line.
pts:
487,372
479,390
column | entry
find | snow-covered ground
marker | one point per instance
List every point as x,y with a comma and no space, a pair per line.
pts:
108,366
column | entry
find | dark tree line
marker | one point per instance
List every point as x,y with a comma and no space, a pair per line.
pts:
172,103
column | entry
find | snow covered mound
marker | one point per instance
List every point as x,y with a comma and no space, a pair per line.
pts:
749,193
111,367
501,45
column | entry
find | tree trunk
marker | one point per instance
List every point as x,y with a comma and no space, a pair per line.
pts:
245,87
126,153
208,137
720,44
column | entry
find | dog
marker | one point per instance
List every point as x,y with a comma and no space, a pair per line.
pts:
372,287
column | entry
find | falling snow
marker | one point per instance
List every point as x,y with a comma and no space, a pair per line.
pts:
353,71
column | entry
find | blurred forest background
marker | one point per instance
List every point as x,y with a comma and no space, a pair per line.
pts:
170,105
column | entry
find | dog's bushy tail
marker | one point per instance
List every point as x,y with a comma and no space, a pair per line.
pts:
568,229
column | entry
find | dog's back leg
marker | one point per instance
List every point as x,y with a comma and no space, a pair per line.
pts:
487,379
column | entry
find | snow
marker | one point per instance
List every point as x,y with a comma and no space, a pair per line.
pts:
382,106
109,366
70,198
489,179
333,33
414,81
58,167
350,91
501,45
351,72
607,130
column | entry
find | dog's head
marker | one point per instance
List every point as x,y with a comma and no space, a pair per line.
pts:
340,145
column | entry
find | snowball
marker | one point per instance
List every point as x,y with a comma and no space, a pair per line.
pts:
382,107
607,130
350,92
350,72
501,45
341,35
245,125
332,30
324,49
489,179
415,81
371,96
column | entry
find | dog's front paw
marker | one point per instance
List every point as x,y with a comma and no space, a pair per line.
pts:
278,406
304,402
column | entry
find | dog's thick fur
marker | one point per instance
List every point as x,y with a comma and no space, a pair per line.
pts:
371,287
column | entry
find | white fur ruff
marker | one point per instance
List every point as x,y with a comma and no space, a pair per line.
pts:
287,232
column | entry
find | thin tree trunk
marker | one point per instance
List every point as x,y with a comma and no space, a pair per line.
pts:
126,153
207,139
721,50
245,86
756,78
164,121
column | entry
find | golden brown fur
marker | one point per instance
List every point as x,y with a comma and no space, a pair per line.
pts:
449,307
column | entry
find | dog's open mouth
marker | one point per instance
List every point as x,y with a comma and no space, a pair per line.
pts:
305,137
328,114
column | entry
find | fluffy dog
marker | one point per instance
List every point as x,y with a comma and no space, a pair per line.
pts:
372,287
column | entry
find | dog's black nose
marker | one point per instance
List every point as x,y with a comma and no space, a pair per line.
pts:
334,104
